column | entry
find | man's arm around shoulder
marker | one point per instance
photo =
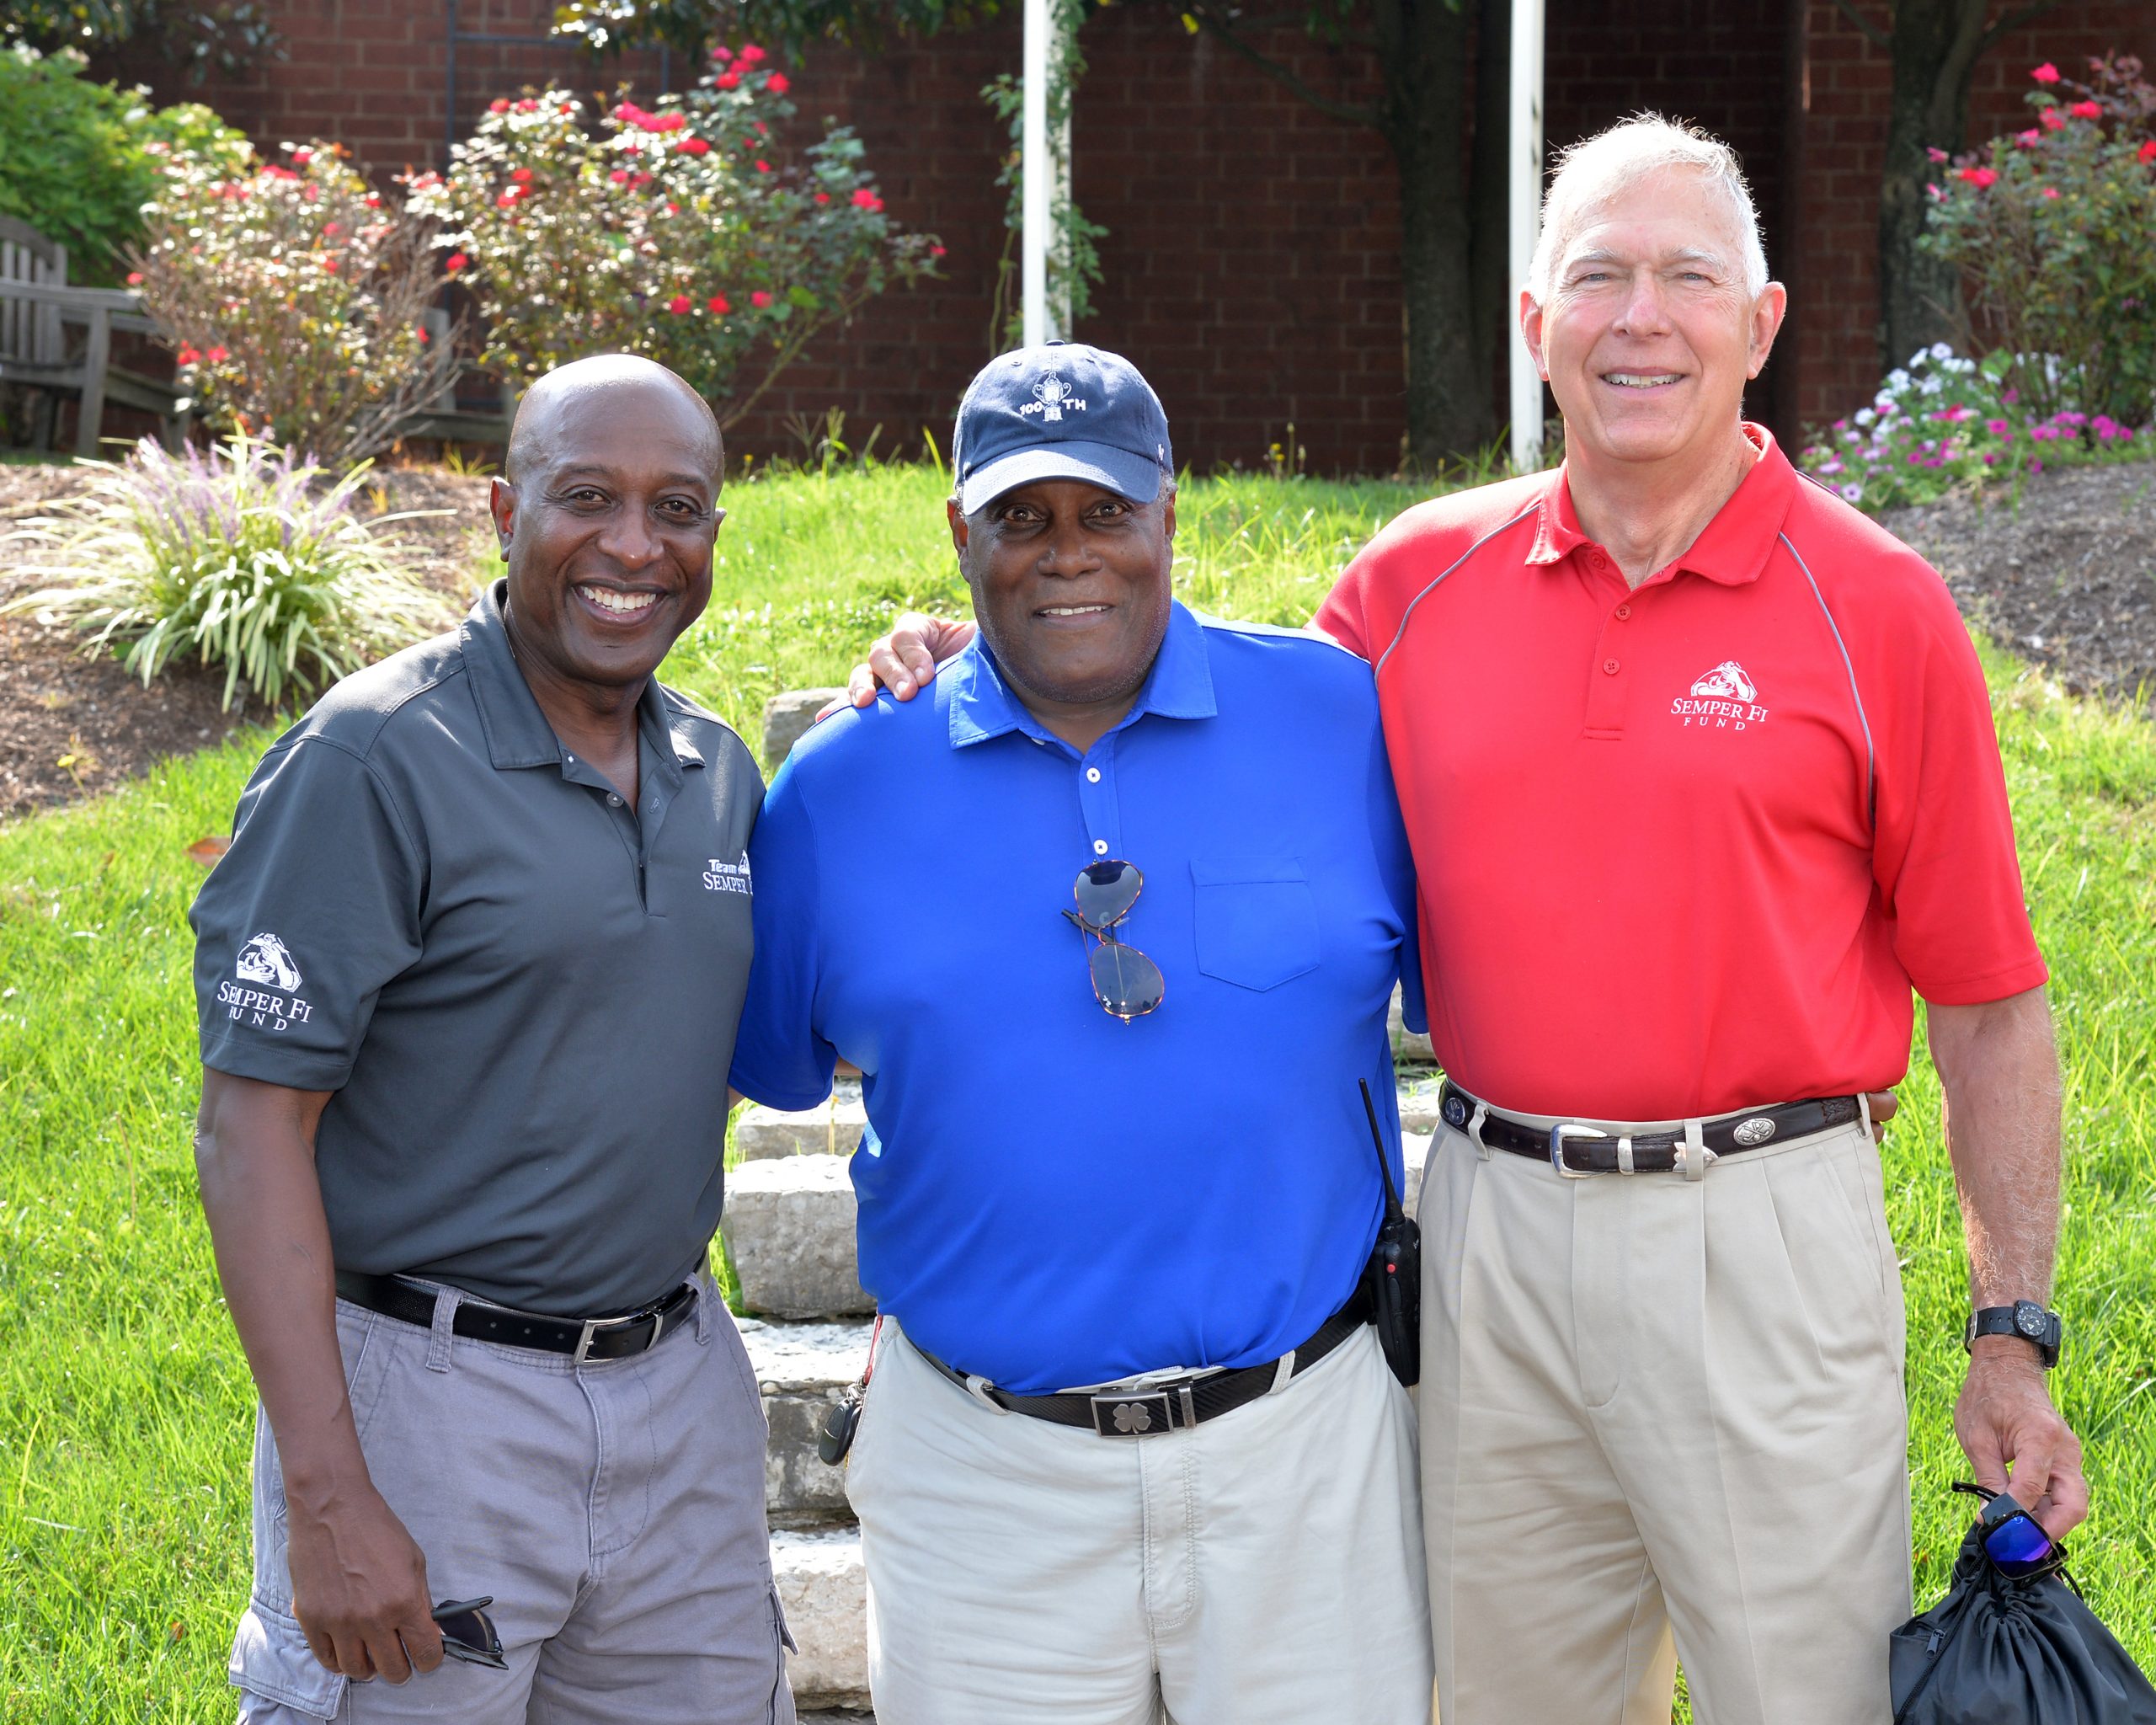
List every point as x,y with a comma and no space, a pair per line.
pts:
359,1579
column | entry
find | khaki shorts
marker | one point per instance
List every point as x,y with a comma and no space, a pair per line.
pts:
614,1510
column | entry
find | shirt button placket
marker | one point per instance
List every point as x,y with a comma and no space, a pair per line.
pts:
1097,802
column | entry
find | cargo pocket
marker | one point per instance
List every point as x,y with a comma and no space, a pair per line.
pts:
1256,922
783,1643
271,1658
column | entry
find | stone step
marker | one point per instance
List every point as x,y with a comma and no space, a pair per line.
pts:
1408,1047
832,1128
801,1369
825,1593
789,1227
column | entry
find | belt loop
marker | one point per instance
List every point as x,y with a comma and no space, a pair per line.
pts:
1624,1155
1284,1369
1864,1117
707,1297
1693,1163
978,1389
441,1334
1474,1129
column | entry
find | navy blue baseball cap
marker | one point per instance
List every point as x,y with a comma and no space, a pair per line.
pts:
1060,411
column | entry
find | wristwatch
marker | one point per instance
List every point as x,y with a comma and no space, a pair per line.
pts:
2025,1319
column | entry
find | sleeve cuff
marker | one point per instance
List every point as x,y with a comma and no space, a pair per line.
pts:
295,1068
1992,985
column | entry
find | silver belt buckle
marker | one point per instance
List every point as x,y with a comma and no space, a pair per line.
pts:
1132,1416
592,1326
1559,1136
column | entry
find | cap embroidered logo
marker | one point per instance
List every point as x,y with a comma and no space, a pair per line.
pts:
266,959
1054,394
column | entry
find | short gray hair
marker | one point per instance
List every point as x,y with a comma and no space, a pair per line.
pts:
1593,172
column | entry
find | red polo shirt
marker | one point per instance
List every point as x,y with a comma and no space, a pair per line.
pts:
1685,848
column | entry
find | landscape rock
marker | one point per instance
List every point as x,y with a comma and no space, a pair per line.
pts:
801,1369
831,1128
786,715
825,1591
789,1228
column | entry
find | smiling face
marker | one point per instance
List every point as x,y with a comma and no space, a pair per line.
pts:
1649,334
1070,585
607,520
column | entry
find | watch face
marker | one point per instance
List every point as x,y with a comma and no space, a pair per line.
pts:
2029,1320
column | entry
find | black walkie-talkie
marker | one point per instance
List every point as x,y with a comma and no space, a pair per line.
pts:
1395,1273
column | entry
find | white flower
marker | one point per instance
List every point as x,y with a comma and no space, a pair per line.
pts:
1941,350
1853,490
1864,416
1897,379
1933,385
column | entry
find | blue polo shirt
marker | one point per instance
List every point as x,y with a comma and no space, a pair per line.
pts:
1050,1197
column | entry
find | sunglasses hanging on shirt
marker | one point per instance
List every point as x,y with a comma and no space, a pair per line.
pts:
1127,983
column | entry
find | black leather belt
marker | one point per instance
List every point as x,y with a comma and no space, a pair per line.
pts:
1573,1149
580,1337
1178,1401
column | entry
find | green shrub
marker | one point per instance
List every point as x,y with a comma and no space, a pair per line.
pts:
2055,230
684,234
240,558
292,294
75,161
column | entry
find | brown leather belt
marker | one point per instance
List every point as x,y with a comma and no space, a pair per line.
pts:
1575,1151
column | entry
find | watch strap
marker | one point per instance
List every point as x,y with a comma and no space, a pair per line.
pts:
2025,1319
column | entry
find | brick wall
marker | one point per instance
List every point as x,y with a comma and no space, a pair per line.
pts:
1251,259
1844,87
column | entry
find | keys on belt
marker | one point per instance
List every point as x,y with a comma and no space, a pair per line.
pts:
1578,1152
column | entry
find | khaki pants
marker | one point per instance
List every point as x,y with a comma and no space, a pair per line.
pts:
1260,1569
1656,1410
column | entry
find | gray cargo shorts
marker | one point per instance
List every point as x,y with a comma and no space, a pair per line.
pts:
614,1510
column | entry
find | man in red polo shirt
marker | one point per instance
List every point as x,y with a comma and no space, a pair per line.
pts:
1699,769
1700,772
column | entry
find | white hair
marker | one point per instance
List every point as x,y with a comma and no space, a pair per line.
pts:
1596,170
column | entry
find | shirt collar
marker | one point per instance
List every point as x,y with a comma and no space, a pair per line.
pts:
517,732
1179,686
1731,549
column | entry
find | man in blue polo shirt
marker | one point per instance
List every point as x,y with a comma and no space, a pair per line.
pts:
1130,1441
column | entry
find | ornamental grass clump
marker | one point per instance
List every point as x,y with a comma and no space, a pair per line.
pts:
241,558
293,295
2054,229
685,233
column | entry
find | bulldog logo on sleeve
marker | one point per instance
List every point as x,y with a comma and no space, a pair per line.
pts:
270,1000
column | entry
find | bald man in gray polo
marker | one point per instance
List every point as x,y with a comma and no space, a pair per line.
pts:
468,979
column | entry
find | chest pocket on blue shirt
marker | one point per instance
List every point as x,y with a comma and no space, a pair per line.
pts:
1257,923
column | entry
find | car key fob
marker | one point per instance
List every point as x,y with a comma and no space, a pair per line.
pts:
840,1425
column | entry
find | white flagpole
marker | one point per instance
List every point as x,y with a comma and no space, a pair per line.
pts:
1525,214
1039,179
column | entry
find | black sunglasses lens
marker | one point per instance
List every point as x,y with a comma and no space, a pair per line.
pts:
1106,891
2019,1546
1130,983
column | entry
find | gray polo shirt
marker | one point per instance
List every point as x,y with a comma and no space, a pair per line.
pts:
523,993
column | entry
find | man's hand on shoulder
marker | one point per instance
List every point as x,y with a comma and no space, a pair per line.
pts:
360,1585
907,658
2004,1415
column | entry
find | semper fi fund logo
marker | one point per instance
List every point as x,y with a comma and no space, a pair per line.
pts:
1724,699
729,877
266,995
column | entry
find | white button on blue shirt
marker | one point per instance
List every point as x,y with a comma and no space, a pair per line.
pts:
1049,1196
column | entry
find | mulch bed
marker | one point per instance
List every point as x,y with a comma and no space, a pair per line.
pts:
72,725
2067,578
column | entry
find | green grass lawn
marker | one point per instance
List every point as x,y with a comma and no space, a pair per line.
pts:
125,1407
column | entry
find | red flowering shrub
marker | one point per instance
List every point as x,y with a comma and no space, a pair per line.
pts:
667,232
291,295
2055,230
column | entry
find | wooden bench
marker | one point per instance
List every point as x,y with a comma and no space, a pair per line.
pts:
37,308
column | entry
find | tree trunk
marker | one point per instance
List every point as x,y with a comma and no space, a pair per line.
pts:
1489,204
1423,45
1935,44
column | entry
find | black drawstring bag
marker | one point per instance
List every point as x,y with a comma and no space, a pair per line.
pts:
2004,1649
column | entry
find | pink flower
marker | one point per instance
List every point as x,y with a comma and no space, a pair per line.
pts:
188,356
717,303
2029,139
692,146
522,176
499,105
761,130
673,208
762,166
528,105
566,108
134,278
1998,428
620,176
507,200
721,53
301,157
680,305
779,83
2046,74
2053,119
759,299
1979,177
667,122
729,80
2087,110
751,55
1936,153
330,264
2146,152
864,199
821,198
936,251
217,356
374,200
454,262
2050,191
